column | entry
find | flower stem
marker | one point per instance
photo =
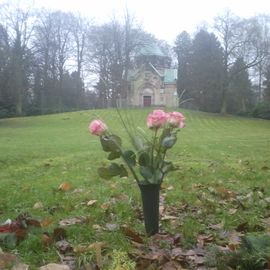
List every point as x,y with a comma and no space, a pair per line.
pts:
153,148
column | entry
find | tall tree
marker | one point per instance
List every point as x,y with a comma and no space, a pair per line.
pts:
183,50
266,84
206,67
18,26
113,47
240,94
6,102
239,39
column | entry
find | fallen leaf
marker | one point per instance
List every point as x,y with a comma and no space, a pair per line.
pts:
218,226
63,246
7,260
232,211
106,206
225,193
70,261
98,247
203,239
77,190
59,234
46,240
91,202
38,205
64,186
131,234
167,217
111,227
72,221
172,266
46,222
20,266
97,227
54,266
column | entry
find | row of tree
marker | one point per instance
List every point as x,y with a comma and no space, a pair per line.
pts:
50,59
226,70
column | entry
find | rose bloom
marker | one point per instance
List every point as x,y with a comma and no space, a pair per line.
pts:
156,119
97,127
176,119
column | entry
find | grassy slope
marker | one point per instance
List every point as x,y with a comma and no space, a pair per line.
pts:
39,153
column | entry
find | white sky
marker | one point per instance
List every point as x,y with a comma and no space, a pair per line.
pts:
163,18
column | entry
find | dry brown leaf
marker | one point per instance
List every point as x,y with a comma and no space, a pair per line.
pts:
46,222
91,202
232,211
168,217
38,205
218,226
77,190
7,260
65,186
54,266
97,227
225,193
63,246
172,265
46,240
131,234
111,227
203,239
170,187
98,247
20,266
72,221
106,206
59,234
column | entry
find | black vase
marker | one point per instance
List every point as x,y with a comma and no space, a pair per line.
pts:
150,203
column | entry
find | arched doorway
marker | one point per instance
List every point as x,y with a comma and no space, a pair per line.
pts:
147,97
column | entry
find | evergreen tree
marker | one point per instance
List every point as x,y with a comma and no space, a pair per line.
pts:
206,67
240,88
266,83
183,47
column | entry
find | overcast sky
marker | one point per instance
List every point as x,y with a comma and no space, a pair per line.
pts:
163,18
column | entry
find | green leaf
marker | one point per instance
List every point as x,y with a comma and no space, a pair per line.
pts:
167,166
114,155
144,159
165,133
113,170
104,173
130,157
110,143
158,176
123,171
146,173
168,142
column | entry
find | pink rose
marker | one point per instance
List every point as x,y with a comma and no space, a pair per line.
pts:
97,127
176,119
156,119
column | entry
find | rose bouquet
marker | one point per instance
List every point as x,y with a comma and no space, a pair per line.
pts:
147,161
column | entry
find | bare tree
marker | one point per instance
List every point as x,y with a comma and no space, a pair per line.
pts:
17,22
239,39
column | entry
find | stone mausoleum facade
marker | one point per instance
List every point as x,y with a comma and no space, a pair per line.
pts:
153,81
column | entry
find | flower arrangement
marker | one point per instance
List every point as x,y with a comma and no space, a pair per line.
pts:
149,155
147,161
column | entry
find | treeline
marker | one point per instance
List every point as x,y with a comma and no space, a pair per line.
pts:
226,70
54,61
49,60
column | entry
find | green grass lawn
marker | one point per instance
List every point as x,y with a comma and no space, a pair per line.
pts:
216,156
